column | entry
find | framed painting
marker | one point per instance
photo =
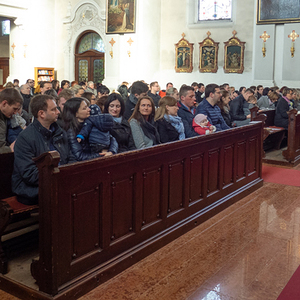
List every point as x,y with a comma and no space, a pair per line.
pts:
120,16
208,51
277,11
184,56
234,55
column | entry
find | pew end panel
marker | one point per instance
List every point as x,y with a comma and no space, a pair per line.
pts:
98,217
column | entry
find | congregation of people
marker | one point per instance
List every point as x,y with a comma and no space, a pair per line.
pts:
83,121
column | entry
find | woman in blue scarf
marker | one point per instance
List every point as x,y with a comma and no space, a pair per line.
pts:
169,125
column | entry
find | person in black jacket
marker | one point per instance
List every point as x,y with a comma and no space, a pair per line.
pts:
169,124
237,106
284,104
39,137
121,130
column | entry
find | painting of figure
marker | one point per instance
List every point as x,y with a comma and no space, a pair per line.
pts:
183,57
120,16
233,57
278,11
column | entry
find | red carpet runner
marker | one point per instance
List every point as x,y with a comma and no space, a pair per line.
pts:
281,176
292,289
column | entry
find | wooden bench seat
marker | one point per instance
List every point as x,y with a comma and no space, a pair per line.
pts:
12,213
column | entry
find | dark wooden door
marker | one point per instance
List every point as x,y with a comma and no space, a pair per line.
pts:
89,66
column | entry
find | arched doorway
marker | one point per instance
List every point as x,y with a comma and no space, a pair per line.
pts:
89,58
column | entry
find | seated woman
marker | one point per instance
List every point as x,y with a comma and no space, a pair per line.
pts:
121,130
224,106
168,124
142,124
284,104
75,112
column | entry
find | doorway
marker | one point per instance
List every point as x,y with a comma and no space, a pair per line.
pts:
89,58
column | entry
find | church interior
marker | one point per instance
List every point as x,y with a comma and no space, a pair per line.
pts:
248,250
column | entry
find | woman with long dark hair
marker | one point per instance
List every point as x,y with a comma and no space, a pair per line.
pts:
75,111
121,130
142,124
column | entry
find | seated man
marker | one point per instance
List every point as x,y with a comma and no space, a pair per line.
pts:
209,107
237,107
41,136
10,103
153,93
187,110
138,89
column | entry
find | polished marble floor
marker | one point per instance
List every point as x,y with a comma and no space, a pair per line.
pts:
247,252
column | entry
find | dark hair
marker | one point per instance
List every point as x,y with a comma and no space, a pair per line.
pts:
266,91
54,83
194,84
103,89
64,82
123,90
210,88
259,86
12,96
136,113
112,97
52,93
82,83
88,95
249,91
220,103
286,90
16,81
139,87
184,90
241,88
39,102
101,101
42,83
68,116
200,85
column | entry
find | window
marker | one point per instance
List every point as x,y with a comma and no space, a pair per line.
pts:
91,41
214,10
5,27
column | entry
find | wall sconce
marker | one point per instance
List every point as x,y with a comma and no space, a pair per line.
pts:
264,37
13,50
112,42
130,41
293,36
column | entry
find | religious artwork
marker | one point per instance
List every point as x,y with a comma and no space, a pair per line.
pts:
184,56
120,16
234,55
208,55
277,11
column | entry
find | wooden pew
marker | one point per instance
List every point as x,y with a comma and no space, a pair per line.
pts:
292,153
99,217
273,135
12,212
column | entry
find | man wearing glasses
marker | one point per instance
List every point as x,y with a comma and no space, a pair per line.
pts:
30,82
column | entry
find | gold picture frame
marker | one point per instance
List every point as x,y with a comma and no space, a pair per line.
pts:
184,56
272,12
120,16
208,52
234,55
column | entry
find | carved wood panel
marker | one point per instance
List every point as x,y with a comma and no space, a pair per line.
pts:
176,184
213,170
241,160
122,222
253,144
228,170
86,223
196,175
151,195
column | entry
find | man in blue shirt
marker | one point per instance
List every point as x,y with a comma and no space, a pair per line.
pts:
210,108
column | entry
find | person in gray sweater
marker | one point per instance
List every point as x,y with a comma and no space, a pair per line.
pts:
142,124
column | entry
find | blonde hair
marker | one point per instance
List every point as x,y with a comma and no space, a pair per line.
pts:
162,110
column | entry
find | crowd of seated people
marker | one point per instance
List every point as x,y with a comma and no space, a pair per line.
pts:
94,122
